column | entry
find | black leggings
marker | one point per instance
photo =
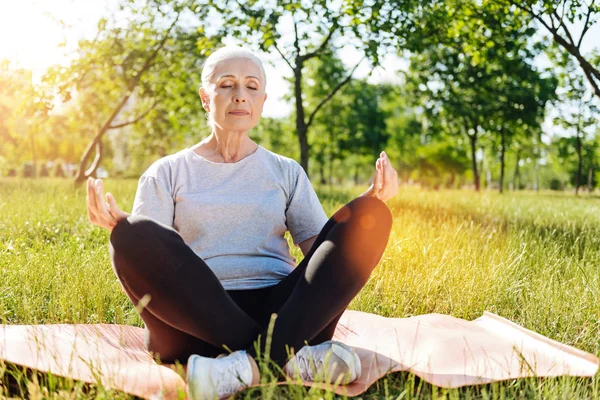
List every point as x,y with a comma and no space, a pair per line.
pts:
189,311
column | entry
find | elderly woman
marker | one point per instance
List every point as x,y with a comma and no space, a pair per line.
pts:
204,257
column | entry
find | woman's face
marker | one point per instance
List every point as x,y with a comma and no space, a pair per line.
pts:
236,95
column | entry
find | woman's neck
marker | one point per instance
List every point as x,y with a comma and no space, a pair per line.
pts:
226,147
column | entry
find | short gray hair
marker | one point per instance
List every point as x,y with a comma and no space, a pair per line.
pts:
225,53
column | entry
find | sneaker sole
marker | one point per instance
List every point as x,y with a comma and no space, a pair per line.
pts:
205,382
348,356
191,394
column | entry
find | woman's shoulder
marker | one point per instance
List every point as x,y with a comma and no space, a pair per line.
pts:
163,167
286,163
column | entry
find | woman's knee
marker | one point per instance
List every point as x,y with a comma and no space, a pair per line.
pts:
130,230
138,237
365,225
370,214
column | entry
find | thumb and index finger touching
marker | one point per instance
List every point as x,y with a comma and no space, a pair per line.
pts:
96,203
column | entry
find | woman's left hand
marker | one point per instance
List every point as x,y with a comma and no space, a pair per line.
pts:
385,184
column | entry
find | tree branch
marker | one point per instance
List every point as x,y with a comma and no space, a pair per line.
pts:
134,120
536,16
282,56
591,80
333,92
586,25
150,59
324,43
562,14
561,23
590,71
296,40
96,142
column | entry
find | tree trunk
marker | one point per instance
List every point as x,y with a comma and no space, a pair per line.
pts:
590,177
330,164
536,181
356,174
502,154
301,127
579,165
473,140
96,144
322,169
34,158
516,176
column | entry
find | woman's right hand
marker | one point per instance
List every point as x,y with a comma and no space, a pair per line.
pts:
101,213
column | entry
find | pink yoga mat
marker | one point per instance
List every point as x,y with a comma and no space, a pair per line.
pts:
442,350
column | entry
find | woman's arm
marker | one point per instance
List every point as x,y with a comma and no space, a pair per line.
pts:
307,245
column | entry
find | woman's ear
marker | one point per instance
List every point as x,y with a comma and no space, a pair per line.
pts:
204,99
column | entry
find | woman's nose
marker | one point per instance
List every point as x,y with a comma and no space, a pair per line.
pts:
238,96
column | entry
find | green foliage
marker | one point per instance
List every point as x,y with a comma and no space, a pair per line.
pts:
578,115
350,129
277,135
558,19
144,66
475,75
471,89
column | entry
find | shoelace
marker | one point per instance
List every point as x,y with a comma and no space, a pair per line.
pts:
225,384
308,365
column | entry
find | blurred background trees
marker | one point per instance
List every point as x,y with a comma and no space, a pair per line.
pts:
487,94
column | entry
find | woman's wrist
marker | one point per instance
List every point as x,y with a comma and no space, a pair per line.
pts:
370,192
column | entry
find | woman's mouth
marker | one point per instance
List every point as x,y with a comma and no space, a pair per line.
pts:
239,112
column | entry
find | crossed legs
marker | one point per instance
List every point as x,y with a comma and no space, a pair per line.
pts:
189,312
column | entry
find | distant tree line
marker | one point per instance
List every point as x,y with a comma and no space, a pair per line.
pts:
469,110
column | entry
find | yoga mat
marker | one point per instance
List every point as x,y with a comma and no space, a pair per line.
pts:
442,350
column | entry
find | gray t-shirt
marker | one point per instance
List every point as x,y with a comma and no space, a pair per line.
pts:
234,215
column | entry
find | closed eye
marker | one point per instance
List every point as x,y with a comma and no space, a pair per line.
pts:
249,87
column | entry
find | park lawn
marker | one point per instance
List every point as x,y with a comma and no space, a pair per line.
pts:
529,257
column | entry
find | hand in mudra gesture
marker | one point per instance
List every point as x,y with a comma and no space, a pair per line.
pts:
385,184
100,212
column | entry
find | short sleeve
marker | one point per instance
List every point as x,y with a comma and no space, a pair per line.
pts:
153,200
305,216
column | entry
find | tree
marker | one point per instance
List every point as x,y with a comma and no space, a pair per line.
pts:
554,16
127,73
350,125
578,115
16,89
24,111
577,155
316,25
522,94
476,77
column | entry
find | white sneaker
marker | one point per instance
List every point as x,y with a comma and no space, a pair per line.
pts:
210,378
330,361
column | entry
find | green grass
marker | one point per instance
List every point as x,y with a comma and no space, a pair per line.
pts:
529,257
